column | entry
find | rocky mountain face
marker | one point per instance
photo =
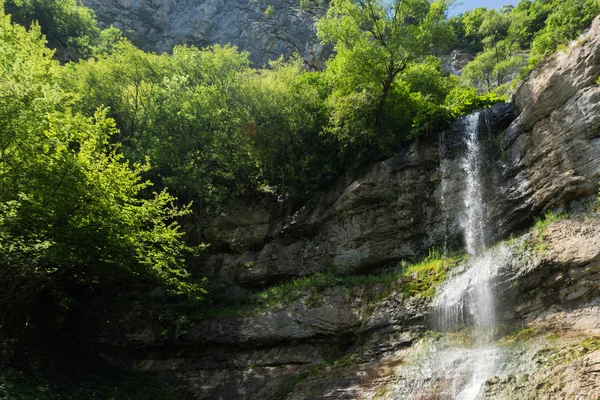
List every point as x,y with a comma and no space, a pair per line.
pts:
456,61
541,153
266,29
372,341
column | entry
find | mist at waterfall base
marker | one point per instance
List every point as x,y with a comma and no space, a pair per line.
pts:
467,298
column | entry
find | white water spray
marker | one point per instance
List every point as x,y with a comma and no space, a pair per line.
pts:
474,225
468,298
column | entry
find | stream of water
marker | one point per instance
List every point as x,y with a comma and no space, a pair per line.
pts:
468,297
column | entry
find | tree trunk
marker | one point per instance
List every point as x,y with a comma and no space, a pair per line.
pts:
387,84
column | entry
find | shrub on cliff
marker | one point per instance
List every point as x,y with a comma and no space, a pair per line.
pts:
533,29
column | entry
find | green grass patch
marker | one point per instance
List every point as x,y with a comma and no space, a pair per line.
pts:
422,278
537,242
591,344
270,11
520,335
418,279
574,351
550,217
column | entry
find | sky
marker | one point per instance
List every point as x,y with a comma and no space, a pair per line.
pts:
466,5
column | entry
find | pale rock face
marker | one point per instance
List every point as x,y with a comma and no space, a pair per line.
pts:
456,61
158,25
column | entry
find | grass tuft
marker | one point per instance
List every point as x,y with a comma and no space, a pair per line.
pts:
520,335
418,280
538,239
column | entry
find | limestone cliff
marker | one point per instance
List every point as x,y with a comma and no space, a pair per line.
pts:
542,152
371,341
158,25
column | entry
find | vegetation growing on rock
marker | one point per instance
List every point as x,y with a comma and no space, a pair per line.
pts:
418,280
505,37
111,166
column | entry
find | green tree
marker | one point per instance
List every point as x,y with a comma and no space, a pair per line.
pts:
500,60
565,22
286,113
528,18
186,111
466,29
495,66
375,42
72,218
68,26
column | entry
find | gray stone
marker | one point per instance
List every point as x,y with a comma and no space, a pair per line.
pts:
158,25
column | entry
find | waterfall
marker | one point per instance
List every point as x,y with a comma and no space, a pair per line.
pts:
443,195
474,225
468,297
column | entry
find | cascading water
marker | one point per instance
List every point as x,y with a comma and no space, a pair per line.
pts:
474,225
468,297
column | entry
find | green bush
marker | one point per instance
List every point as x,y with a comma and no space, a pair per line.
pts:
68,26
270,11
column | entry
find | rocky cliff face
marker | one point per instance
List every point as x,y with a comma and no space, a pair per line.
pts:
158,25
370,341
369,219
546,158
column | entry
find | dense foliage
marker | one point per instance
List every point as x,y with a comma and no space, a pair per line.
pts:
101,158
509,39
67,26
71,214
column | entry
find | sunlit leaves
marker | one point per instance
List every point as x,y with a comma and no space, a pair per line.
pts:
71,207
375,42
67,25
567,20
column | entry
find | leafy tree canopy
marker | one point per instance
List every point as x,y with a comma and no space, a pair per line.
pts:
72,217
68,26
375,42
